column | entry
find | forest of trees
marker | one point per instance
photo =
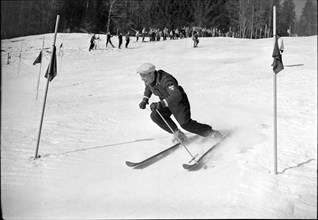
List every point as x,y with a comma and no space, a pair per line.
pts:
248,18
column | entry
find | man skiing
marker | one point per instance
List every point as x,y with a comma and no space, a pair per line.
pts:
120,39
92,45
127,39
173,101
108,40
195,39
280,43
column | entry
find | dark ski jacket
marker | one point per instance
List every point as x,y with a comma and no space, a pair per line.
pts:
93,39
166,87
120,38
108,37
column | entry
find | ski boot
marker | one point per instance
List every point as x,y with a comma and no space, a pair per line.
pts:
179,136
215,135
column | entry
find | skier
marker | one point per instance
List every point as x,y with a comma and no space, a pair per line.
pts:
108,39
195,38
144,32
92,45
280,43
137,35
173,101
127,39
120,39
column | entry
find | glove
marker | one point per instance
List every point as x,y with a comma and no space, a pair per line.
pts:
143,103
156,105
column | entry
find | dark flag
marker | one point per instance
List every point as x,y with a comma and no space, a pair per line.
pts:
53,70
38,59
277,62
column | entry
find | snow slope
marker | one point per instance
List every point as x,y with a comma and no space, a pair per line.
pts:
92,125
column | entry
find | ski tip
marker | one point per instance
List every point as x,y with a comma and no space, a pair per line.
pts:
130,164
193,167
186,166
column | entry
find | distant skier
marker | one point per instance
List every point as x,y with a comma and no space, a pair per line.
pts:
108,40
143,33
92,45
195,39
137,35
127,39
120,39
173,101
280,43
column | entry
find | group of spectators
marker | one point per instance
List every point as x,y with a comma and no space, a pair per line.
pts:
156,34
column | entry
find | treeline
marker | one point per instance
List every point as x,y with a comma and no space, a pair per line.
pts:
247,18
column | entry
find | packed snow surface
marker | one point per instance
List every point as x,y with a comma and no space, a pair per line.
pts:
92,125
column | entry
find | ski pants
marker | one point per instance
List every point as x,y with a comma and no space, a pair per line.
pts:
181,112
109,41
91,46
127,42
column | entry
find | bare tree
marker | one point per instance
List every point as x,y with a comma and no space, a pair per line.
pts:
109,13
202,10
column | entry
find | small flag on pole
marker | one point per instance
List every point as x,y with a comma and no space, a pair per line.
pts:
38,59
52,69
277,62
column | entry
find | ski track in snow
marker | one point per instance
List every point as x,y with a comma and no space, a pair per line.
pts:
92,125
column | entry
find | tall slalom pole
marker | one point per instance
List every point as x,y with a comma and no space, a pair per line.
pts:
275,98
47,87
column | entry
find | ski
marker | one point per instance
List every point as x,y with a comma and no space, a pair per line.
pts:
199,162
152,159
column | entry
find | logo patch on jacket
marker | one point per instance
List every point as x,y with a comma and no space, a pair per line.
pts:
171,87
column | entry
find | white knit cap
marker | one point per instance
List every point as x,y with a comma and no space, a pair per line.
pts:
146,68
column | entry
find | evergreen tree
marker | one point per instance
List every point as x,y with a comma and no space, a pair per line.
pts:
308,21
287,17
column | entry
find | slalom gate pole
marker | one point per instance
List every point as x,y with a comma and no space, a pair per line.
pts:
275,98
193,158
47,88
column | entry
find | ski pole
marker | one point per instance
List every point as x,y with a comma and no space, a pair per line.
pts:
193,158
